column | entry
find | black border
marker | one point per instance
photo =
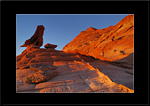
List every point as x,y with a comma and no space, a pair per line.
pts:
8,16
75,0
0,54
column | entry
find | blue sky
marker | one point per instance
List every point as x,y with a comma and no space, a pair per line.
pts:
60,29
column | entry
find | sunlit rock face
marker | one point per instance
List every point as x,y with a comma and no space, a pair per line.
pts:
40,70
111,44
46,70
36,39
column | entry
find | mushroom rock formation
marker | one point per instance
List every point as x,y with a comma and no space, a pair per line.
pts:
50,46
36,40
110,44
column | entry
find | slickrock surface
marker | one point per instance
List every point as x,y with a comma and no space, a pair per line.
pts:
74,73
46,70
126,62
111,44
37,38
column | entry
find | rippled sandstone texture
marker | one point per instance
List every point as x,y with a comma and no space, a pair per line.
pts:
42,70
110,44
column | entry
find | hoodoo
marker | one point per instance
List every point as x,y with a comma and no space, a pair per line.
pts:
37,39
46,70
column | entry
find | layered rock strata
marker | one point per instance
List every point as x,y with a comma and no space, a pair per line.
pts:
40,70
68,72
110,44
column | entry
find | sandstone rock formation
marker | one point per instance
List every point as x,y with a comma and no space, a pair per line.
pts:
126,62
42,70
36,40
110,44
50,46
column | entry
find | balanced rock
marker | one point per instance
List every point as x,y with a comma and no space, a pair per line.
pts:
36,39
50,46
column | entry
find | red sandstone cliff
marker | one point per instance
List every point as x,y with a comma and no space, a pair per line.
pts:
111,44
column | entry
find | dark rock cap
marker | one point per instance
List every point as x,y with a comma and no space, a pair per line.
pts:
50,46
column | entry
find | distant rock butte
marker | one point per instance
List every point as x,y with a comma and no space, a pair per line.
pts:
37,39
42,70
110,44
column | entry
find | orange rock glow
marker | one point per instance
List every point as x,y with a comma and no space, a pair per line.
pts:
111,44
96,61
